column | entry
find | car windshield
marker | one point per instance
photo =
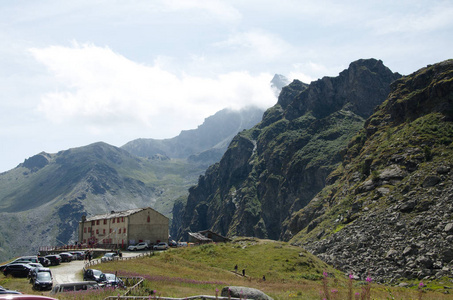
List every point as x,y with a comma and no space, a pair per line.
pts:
108,255
97,273
43,276
110,277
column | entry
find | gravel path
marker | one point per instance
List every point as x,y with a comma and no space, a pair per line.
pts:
71,271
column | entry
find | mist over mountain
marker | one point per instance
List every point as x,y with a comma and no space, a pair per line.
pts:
205,144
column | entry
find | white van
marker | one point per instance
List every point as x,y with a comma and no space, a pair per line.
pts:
74,287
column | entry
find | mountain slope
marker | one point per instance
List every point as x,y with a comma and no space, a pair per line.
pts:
46,196
277,167
388,208
206,144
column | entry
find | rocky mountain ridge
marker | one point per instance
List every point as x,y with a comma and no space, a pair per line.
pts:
205,144
278,166
388,208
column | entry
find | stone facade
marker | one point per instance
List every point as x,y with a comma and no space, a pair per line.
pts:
124,228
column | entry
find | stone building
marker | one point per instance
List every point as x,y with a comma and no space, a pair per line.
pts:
206,236
124,228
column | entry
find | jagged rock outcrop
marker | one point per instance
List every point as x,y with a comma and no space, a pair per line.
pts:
279,165
387,209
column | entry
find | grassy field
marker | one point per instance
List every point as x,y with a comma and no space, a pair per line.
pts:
290,273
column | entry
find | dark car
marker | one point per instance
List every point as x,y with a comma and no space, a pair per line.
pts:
42,281
44,261
4,291
54,259
111,280
92,275
35,271
21,260
66,257
17,270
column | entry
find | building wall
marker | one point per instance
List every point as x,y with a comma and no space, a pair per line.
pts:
111,230
148,226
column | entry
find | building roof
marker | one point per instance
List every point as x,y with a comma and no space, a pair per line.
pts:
116,214
205,232
200,237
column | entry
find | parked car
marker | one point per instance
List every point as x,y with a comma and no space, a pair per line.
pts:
34,266
43,261
111,280
17,270
92,275
74,286
25,297
78,255
4,291
35,271
161,246
22,259
54,259
66,257
42,281
109,256
139,246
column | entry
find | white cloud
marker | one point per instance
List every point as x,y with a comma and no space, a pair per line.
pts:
102,89
421,20
215,8
257,43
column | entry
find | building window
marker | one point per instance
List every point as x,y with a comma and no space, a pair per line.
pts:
110,230
97,231
89,229
113,220
92,223
85,230
105,221
103,231
118,220
97,222
122,219
119,231
124,230
149,219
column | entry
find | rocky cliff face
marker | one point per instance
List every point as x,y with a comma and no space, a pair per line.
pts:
387,210
278,166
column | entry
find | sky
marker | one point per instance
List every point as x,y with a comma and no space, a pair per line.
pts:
77,72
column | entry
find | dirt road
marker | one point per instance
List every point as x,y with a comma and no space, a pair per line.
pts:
72,271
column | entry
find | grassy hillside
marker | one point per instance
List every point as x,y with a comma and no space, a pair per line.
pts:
291,273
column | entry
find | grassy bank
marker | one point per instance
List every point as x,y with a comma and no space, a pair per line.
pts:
290,273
